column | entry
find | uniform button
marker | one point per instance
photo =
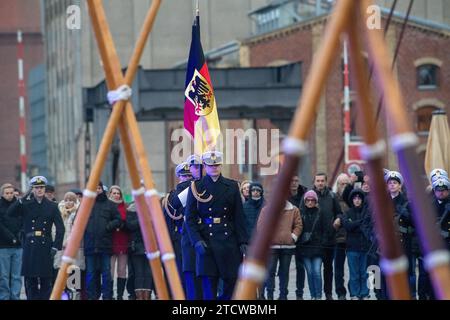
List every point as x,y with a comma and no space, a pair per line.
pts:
226,233
43,242
43,229
210,225
210,234
224,216
45,222
225,208
209,209
32,221
210,217
32,228
225,225
32,241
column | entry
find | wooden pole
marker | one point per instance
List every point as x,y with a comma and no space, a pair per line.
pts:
252,272
404,143
373,153
152,199
106,46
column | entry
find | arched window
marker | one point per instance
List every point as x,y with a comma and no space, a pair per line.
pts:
427,76
424,115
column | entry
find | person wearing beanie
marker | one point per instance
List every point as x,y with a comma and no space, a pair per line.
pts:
311,242
357,246
253,206
120,238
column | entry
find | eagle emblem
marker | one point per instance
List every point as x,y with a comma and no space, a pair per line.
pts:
200,93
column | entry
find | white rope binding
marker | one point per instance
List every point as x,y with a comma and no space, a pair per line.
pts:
372,151
295,147
89,194
436,259
138,192
153,255
394,266
167,256
121,93
404,141
68,260
253,272
151,193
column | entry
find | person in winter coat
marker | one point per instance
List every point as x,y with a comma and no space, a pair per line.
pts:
38,215
283,247
120,237
143,281
10,248
253,206
297,191
245,190
67,207
330,209
311,242
103,220
357,246
339,259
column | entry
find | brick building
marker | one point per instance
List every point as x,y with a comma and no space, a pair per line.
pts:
422,67
14,15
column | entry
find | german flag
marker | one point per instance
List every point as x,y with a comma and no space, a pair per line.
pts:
200,109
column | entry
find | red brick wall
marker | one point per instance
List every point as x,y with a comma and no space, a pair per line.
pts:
23,14
296,45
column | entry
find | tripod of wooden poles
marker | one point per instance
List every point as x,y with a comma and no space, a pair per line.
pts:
153,227
349,18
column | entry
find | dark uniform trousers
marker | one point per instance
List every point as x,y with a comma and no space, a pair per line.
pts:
218,220
38,288
182,246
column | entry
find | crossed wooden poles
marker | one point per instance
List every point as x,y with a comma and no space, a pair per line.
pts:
150,214
348,17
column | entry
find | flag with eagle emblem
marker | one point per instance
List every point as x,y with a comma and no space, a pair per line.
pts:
200,110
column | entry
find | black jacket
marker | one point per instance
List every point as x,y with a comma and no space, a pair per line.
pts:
297,199
9,228
352,221
136,245
220,222
37,220
252,209
405,224
103,220
330,209
313,223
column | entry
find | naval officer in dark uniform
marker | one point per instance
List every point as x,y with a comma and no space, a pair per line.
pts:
173,211
38,215
216,225
193,284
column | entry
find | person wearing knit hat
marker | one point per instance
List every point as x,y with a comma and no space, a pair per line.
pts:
310,242
311,194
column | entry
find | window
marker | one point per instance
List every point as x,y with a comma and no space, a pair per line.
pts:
427,76
424,115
